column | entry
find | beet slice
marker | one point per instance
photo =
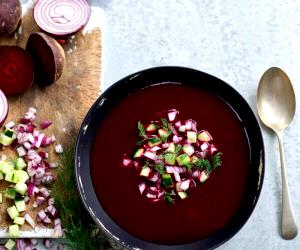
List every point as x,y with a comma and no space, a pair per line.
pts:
48,57
61,18
10,16
16,70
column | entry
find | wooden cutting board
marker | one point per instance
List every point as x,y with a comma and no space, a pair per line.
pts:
66,102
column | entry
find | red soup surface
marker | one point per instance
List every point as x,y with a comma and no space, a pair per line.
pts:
209,206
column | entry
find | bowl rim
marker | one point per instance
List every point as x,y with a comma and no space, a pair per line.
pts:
126,239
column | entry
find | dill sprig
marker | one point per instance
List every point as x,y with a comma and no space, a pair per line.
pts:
80,231
203,164
142,130
166,126
169,198
160,168
216,160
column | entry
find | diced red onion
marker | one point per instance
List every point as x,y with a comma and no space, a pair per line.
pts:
172,114
48,178
182,128
175,169
30,186
43,216
27,145
212,149
154,178
150,155
155,148
150,196
58,232
30,138
50,201
20,244
28,247
191,125
142,187
43,154
47,243
34,242
45,124
40,200
29,220
185,185
45,192
196,174
204,146
177,176
9,125
126,162
21,151
177,139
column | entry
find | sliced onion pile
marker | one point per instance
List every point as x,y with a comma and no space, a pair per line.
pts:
31,144
61,17
173,156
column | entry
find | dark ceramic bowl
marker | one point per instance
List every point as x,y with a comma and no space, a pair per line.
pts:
134,82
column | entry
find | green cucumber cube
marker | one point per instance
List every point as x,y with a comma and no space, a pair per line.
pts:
203,177
163,133
138,153
6,167
170,159
171,148
14,230
188,149
167,180
21,188
6,140
204,136
183,159
20,163
182,195
191,136
10,244
151,128
20,176
9,176
19,220
145,171
154,141
20,205
10,193
194,159
12,212
9,132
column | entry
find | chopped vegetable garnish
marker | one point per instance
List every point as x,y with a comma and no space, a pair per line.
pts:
172,158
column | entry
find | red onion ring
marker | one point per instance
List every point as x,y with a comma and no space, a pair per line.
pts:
61,17
3,107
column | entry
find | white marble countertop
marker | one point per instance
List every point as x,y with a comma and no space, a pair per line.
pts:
235,41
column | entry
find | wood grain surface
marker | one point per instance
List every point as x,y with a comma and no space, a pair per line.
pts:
65,102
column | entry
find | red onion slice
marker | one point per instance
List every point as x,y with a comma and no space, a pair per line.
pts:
29,220
3,107
61,17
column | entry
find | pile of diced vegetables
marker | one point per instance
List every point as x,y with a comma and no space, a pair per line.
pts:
29,174
172,157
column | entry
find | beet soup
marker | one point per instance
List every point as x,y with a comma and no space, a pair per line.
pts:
210,205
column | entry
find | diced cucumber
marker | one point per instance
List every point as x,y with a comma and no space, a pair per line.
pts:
20,205
151,127
21,188
1,198
20,176
170,159
9,132
163,134
183,159
9,176
191,136
182,195
203,176
138,153
10,193
10,244
204,136
20,163
6,140
167,180
145,171
6,167
12,212
19,220
14,230
154,141
188,149
171,148
194,159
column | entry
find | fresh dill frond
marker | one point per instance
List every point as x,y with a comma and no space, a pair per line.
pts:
166,126
203,164
80,231
159,168
168,198
178,148
142,130
216,160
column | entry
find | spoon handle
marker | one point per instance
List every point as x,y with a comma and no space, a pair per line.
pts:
289,228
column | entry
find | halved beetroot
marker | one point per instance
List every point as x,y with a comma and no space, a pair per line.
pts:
48,57
16,70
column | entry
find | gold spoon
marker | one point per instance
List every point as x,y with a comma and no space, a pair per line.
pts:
276,105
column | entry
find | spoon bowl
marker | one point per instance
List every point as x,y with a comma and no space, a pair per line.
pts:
276,104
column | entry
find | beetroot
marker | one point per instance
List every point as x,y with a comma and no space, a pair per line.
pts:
16,70
61,17
10,16
48,56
